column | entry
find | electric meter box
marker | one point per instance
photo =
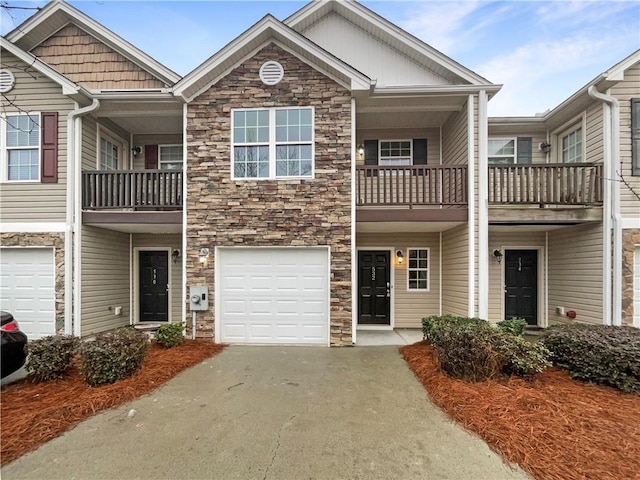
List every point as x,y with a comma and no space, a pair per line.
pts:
198,298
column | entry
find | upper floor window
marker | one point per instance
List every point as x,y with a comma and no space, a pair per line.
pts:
109,153
502,151
170,157
571,146
21,147
272,143
418,269
395,152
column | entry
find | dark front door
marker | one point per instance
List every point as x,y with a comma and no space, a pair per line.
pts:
154,285
521,285
374,288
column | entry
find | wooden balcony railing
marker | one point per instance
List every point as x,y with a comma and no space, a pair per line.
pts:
137,189
546,184
419,185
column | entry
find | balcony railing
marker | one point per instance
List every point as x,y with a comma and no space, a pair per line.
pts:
546,184
134,189
418,185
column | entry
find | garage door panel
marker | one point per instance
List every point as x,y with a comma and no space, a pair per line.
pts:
277,295
27,288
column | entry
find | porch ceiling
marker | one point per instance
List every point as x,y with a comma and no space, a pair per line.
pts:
135,222
406,111
394,227
143,117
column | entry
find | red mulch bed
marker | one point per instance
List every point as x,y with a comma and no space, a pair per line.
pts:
553,427
34,413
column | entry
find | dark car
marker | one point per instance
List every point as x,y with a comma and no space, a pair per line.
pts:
14,344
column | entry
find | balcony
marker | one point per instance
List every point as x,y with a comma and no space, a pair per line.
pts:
132,189
411,193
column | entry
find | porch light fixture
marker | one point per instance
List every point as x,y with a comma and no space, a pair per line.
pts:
497,254
361,149
175,255
203,255
399,256
136,150
545,147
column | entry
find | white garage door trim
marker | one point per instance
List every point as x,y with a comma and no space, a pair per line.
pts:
319,319
36,316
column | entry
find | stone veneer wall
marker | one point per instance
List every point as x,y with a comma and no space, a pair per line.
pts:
222,212
630,238
55,240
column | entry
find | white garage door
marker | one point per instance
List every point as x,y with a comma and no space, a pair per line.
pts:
273,295
636,288
27,289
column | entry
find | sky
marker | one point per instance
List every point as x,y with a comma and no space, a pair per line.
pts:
540,51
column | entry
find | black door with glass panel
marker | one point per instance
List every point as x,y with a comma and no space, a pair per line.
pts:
521,285
154,286
374,288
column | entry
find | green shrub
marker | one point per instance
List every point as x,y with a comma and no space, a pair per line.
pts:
50,357
514,326
525,359
598,353
170,335
436,327
113,356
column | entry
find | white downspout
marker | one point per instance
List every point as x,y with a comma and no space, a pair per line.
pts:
73,220
185,165
354,260
613,234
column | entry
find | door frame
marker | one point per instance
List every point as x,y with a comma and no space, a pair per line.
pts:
392,276
135,291
542,282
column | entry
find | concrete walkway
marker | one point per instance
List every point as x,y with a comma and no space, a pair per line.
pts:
274,413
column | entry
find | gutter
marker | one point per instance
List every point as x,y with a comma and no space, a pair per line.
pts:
73,220
612,220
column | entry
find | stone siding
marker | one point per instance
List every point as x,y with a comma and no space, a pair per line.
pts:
301,212
630,238
55,240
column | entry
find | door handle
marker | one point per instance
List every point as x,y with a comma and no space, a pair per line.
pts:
388,293
167,287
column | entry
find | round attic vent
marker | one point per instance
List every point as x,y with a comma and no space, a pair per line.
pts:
7,81
271,72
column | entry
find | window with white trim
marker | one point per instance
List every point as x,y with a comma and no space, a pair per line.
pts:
109,153
502,151
170,157
396,152
418,269
571,145
20,147
272,143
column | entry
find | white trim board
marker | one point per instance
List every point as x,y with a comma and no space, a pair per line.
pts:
45,227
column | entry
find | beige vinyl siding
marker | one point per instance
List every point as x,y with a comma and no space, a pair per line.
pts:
512,240
593,138
84,59
455,140
575,273
89,143
36,202
368,54
409,306
624,91
143,140
171,242
431,134
455,271
105,279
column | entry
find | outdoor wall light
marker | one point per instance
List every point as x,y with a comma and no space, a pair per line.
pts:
399,256
497,254
175,255
136,151
361,149
545,147
203,255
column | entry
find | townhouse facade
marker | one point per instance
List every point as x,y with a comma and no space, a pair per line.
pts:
291,191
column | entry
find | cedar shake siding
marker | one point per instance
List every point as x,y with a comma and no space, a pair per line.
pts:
85,60
297,212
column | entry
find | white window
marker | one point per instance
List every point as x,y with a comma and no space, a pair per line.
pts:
109,153
418,269
20,147
571,146
502,151
395,152
170,157
272,143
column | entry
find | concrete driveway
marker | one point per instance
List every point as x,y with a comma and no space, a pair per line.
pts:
274,413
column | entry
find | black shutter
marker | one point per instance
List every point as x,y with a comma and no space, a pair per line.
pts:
49,147
419,151
371,152
635,136
524,150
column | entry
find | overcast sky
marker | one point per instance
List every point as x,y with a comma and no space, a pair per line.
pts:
541,51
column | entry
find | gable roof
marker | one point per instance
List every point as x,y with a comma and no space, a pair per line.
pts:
268,30
381,28
57,14
74,90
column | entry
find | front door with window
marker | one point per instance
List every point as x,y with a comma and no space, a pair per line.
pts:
374,287
154,286
521,285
